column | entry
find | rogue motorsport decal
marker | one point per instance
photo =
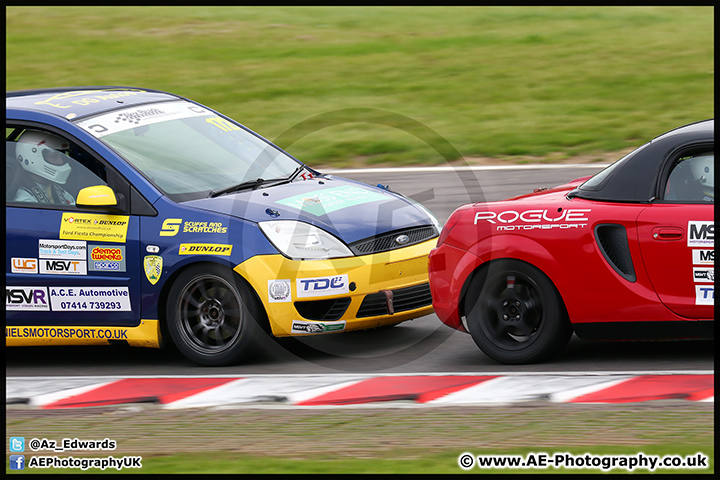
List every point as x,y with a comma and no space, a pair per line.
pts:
510,220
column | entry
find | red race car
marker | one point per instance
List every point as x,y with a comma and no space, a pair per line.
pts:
624,255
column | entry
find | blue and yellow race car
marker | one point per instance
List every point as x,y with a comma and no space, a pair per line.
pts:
135,214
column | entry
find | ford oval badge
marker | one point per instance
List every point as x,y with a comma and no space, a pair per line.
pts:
402,239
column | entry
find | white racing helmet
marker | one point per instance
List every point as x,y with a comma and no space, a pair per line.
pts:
37,152
702,168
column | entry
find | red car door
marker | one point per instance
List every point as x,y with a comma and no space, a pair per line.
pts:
677,246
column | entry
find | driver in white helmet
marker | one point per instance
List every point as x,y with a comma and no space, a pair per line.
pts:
44,157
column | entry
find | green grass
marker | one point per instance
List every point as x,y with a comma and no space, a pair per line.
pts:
501,82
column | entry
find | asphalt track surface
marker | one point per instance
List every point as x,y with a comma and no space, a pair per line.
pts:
418,346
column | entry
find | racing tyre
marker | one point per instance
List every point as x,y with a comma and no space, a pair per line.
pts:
212,316
515,314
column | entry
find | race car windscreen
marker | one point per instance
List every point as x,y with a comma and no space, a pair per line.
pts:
186,150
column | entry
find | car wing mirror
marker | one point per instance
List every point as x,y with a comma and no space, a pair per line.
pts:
96,196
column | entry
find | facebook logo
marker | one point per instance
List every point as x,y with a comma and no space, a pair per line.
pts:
17,462
17,444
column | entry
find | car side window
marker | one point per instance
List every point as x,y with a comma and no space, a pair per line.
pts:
692,179
44,169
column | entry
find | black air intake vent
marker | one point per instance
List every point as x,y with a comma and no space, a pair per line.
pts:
327,310
613,243
404,299
393,240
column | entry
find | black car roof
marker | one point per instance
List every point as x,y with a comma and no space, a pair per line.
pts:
78,102
636,176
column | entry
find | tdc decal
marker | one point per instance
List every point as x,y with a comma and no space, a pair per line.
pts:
322,286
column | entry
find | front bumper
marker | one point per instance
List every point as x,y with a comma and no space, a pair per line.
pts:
342,294
449,268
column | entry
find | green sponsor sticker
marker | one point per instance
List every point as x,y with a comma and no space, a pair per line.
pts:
321,202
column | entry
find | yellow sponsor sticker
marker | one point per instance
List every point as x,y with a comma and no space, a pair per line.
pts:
87,226
204,249
147,334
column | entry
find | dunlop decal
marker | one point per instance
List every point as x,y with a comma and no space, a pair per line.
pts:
204,249
84,226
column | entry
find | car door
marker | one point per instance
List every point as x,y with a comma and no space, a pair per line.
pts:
677,237
67,265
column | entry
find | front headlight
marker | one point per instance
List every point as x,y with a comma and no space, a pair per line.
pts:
302,241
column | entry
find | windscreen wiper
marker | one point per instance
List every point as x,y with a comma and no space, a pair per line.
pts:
294,174
249,185
253,184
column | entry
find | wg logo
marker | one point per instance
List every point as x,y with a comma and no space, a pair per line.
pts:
24,265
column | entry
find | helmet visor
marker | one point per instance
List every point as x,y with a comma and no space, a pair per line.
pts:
54,157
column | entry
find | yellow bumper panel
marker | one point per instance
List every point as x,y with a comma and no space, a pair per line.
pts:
280,282
147,334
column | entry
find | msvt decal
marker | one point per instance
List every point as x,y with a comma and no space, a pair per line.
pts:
63,267
299,326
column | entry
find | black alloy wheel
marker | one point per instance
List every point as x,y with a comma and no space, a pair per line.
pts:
212,316
515,314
